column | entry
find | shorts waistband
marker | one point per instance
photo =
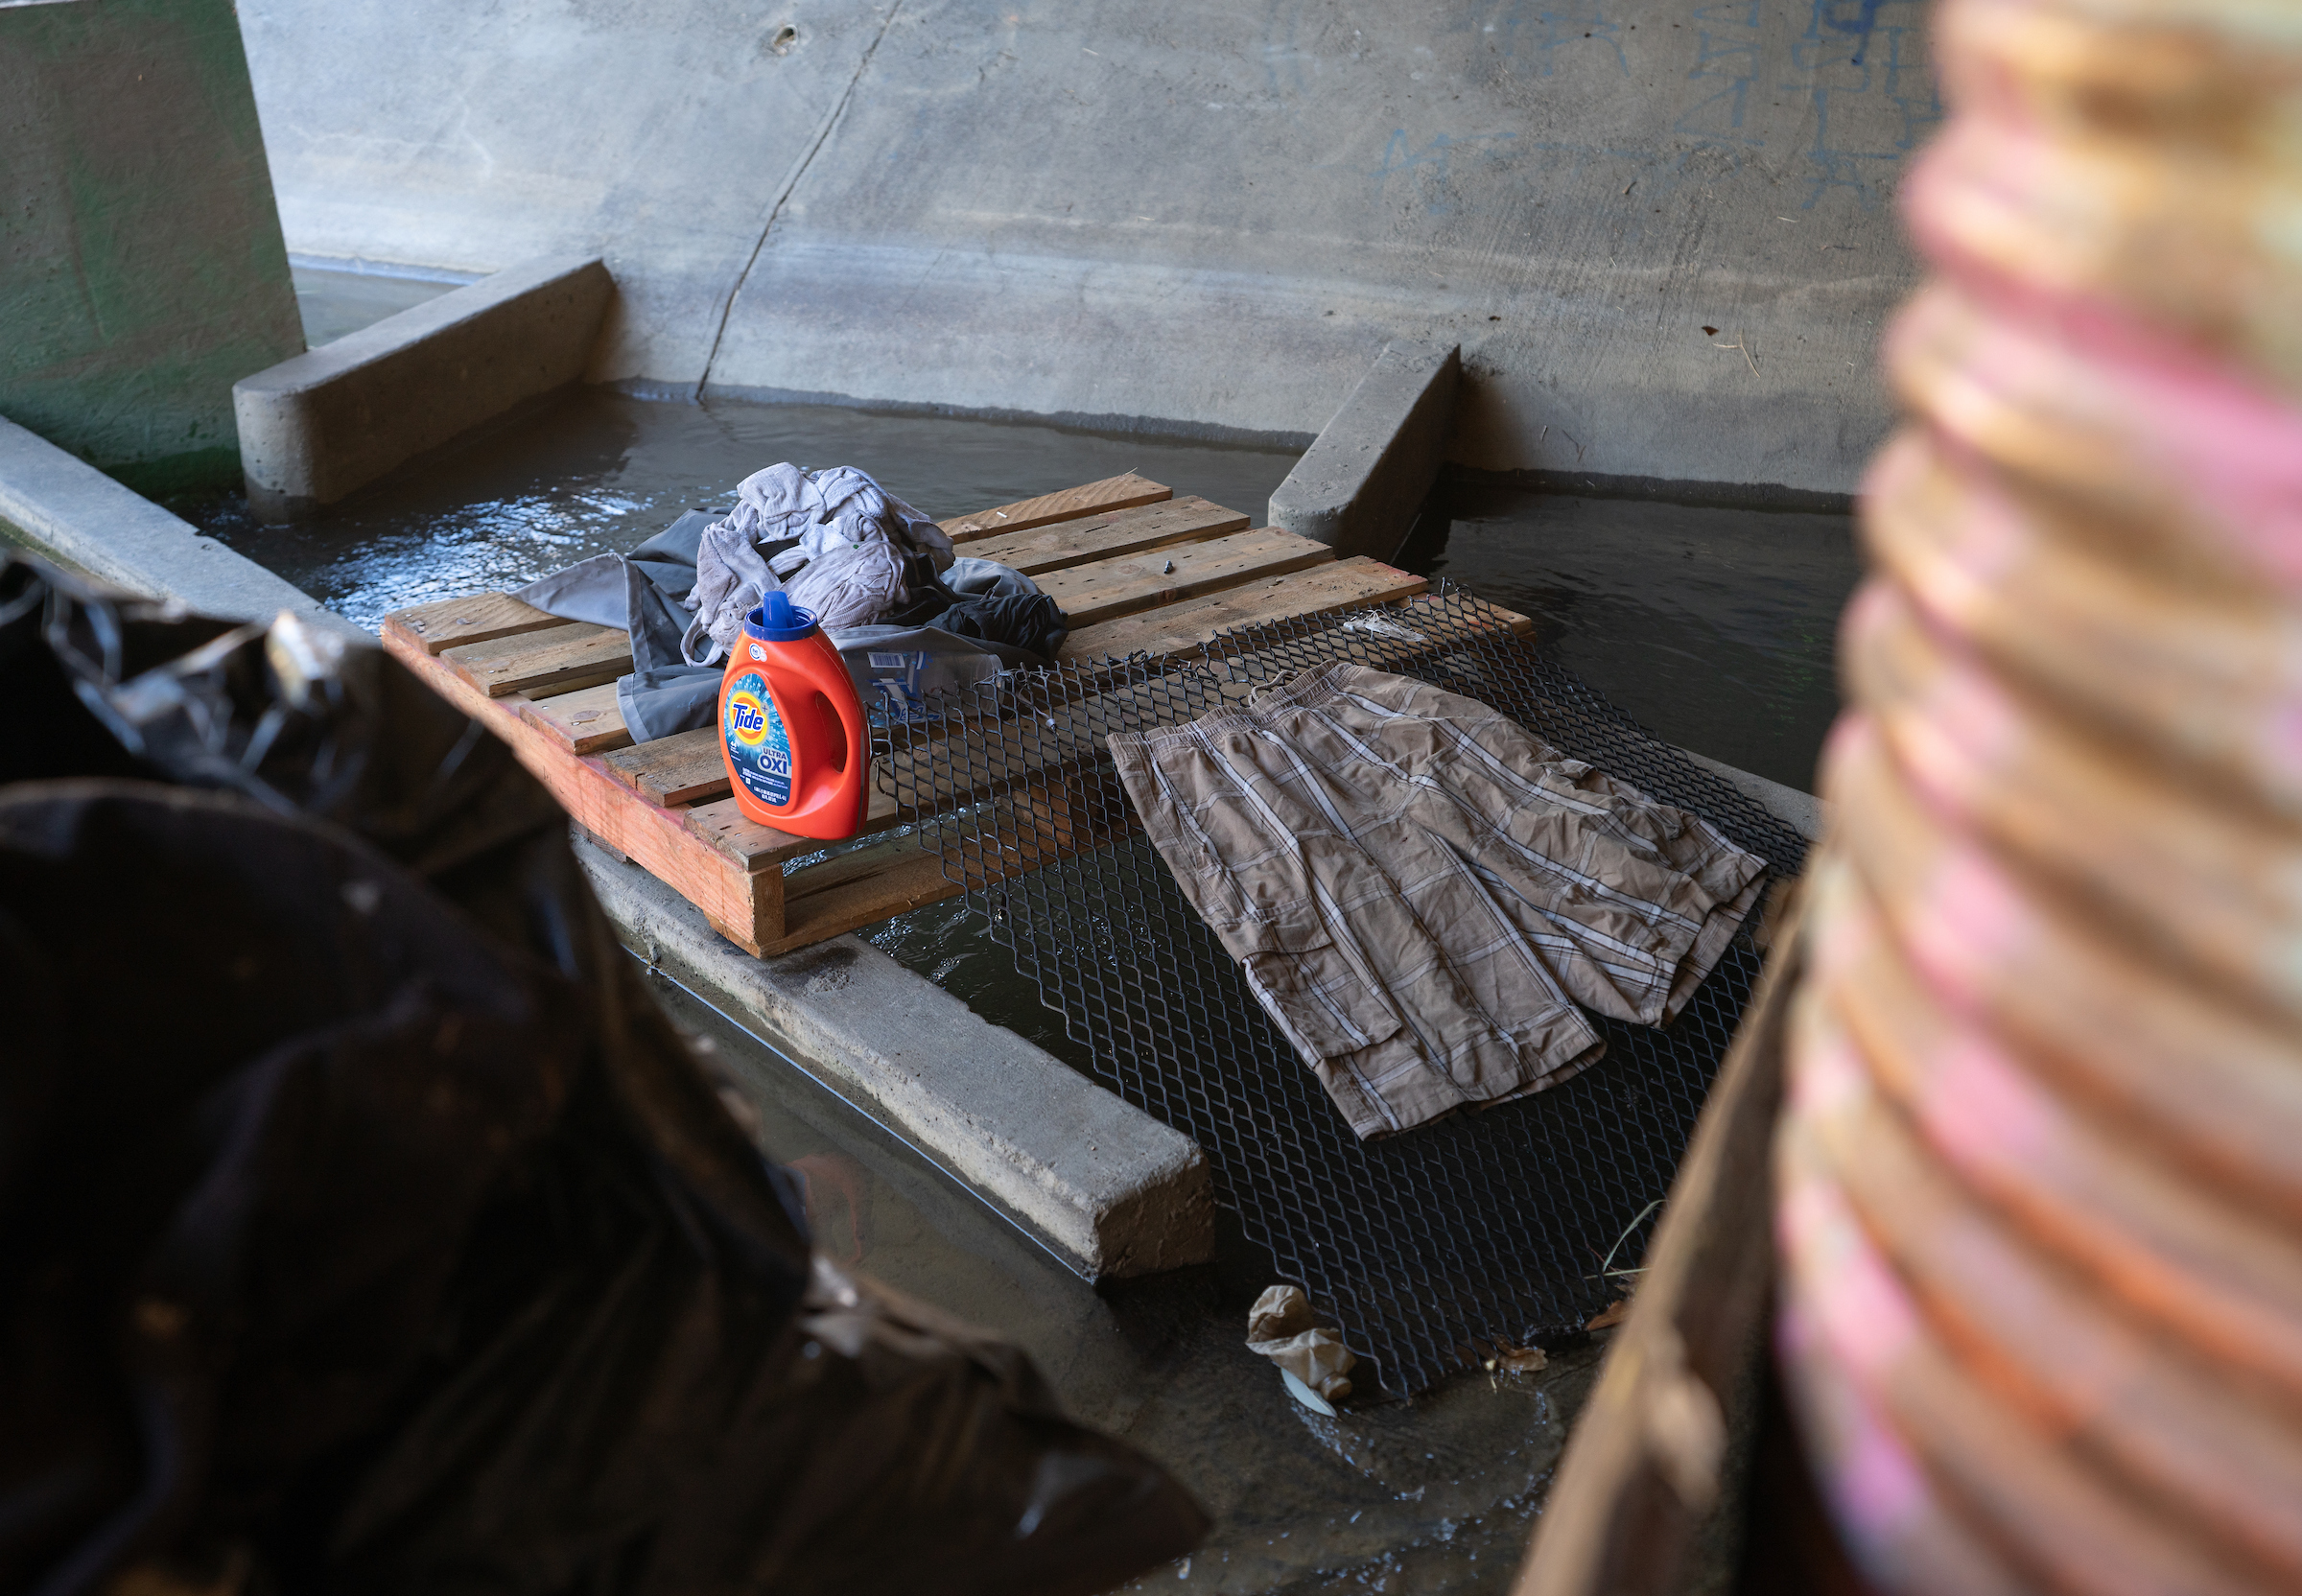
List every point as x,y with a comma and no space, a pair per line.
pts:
1299,691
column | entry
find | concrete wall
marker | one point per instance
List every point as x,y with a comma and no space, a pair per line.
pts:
141,267
1211,214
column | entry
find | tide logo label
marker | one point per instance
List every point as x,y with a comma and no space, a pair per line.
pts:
746,718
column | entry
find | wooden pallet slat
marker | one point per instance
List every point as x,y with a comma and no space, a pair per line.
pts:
744,907
1181,628
1107,589
856,889
1103,536
570,654
1495,615
682,768
588,720
481,618
1113,493
727,829
745,842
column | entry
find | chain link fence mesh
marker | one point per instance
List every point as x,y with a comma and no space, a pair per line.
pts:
1508,1226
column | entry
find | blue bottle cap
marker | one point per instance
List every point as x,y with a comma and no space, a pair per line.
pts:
778,620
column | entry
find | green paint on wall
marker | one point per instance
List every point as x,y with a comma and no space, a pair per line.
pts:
142,270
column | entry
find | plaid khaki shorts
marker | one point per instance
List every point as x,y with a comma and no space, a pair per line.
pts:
1420,892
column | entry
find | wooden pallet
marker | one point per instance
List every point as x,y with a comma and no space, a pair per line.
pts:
1137,570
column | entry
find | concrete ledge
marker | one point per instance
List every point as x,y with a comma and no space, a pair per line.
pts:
317,427
1802,812
1359,485
67,508
1106,1186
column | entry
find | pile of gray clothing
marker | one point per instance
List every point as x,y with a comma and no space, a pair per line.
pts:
907,612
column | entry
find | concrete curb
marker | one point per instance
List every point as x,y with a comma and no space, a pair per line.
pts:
67,508
1359,485
1104,1186
315,427
1805,814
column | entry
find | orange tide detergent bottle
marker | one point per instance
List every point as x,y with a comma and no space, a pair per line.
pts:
792,727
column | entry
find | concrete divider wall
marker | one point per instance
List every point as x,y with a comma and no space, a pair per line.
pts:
1357,486
1201,215
66,510
315,427
141,265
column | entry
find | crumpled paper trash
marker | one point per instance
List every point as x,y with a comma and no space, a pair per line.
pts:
1280,1327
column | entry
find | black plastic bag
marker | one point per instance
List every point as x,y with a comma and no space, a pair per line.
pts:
365,1227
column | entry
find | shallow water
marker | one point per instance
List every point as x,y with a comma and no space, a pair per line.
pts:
333,303
1713,626
1716,628
598,470
1437,1495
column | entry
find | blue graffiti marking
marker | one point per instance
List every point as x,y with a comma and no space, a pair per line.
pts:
1888,62
1435,161
1856,19
1548,30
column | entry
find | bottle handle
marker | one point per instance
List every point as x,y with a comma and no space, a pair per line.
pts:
850,708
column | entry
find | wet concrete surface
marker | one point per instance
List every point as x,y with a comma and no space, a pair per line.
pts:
1434,1495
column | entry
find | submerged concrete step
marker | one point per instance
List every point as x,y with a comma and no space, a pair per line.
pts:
1102,1184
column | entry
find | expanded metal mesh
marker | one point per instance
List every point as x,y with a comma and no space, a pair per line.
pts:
1427,1248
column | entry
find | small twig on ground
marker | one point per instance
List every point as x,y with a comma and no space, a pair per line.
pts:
1606,1264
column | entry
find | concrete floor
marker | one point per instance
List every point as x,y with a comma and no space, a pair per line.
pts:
1434,1495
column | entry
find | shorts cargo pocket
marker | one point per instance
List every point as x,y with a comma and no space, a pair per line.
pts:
1321,1001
